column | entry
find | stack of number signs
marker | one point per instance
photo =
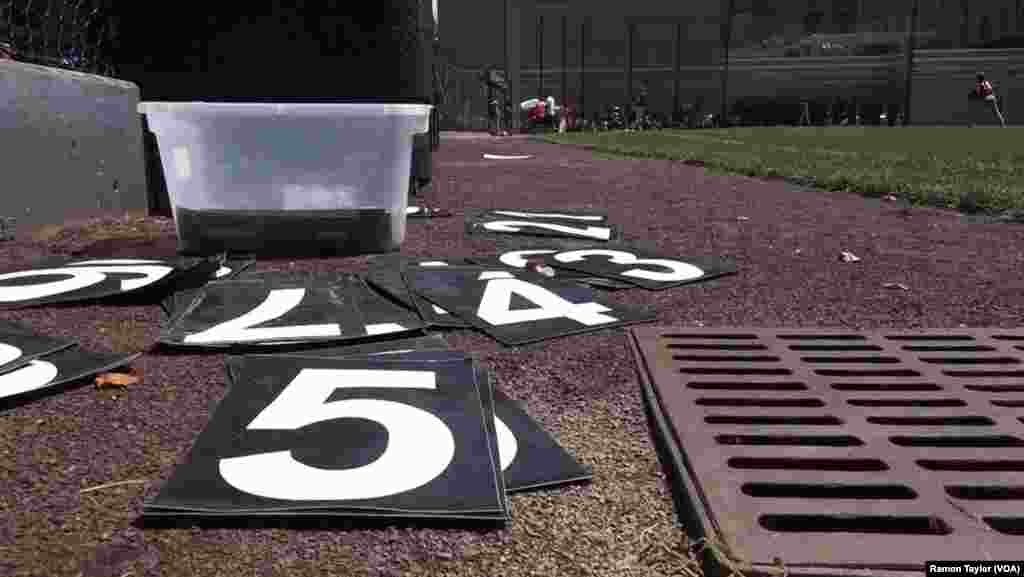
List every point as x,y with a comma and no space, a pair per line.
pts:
542,289
406,428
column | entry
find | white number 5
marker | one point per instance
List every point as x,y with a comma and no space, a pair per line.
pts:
679,271
419,447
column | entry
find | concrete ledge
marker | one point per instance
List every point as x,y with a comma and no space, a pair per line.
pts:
70,145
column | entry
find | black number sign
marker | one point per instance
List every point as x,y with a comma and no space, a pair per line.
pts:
186,289
52,370
554,228
364,437
381,316
388,277
66,280
265,311
516,308
529,457
19,345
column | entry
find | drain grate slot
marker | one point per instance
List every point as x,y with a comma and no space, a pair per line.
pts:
733,371
867,450
996,388
867,372
766,420
1007,525
717,347
745,386
979,441
748,402
855,524
929,337
971,361
985,374
986,493
807,464
974,421
907,403
727,358
886,387
835,348
712,336
791,440
973,465
949,348
853,360
832,491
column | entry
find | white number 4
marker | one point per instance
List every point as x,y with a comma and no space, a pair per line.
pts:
495,305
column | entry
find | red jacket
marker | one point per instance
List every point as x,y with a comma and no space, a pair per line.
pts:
984,88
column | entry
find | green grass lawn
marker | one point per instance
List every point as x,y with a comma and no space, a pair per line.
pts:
971,169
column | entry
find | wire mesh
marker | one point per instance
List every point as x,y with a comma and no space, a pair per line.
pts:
73,34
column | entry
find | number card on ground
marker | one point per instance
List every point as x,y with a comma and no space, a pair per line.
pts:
265,311
638,266
587,225
530,458
322,437
62,280
19,345
43,373
186,290
516,308
578,215
387,276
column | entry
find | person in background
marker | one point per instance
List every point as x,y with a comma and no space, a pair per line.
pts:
984,93
640,106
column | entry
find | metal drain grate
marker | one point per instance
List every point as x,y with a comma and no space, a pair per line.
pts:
839,450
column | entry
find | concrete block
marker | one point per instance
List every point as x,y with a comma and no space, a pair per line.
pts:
70,145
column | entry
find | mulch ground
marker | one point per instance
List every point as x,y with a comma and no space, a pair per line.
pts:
583,389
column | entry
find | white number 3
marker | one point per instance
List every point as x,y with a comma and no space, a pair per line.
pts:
679,271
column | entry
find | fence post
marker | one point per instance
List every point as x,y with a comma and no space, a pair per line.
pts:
629,74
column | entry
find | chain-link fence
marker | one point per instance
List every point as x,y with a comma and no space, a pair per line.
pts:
73,34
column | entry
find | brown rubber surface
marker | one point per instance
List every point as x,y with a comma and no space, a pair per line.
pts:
583,389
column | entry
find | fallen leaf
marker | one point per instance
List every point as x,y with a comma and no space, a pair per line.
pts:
847,256
896,285
115,380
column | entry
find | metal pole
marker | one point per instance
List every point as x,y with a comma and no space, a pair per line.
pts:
565,58
909,75
583,65
726,41
540,57
676,58
629,75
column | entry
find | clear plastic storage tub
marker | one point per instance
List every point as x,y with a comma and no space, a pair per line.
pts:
287,178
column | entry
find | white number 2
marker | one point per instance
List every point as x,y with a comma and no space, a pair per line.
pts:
83,274
276,305
596,232
419,447
495,305
680,271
